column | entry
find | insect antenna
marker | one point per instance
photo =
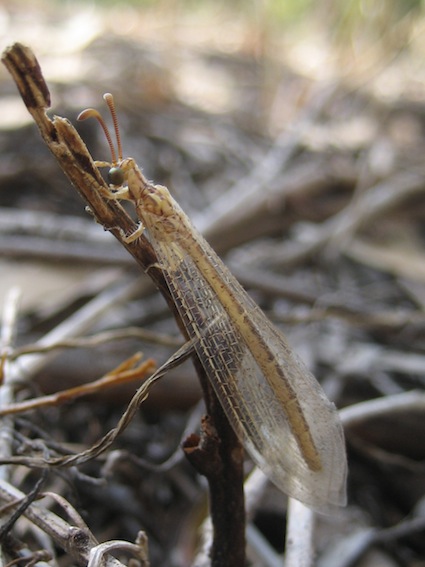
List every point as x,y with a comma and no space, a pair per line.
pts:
93,113
115,175
109,99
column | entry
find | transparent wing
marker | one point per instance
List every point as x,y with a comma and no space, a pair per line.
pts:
248,399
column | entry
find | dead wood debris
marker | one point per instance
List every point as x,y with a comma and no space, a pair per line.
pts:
323,223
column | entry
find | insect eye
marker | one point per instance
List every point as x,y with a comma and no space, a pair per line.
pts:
116,176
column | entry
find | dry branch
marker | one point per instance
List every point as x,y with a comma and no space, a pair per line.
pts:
74,158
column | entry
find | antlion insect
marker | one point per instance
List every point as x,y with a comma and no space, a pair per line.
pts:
275,405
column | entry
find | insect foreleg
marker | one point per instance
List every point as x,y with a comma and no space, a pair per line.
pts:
134,235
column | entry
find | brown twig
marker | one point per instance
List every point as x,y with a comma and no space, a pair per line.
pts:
74,158
122,374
